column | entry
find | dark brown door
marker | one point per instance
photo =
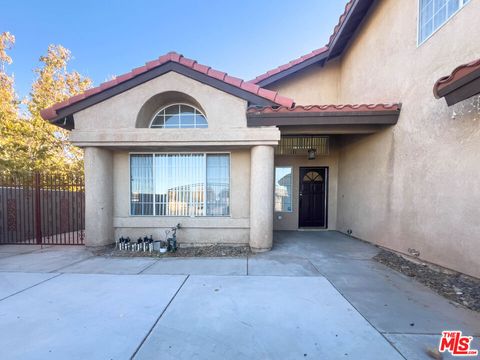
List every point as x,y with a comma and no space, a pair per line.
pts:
313,197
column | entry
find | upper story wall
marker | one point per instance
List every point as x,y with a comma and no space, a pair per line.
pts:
384,63
223,111
425,182
314,85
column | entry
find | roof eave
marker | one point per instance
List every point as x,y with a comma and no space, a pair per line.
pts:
66,122
320,58
460,89
349,27
386,117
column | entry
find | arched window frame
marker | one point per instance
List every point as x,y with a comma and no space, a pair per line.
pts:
312,176
196,111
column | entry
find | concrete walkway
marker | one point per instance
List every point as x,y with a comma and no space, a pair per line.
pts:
317,295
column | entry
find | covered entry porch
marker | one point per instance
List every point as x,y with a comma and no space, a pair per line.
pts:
308,158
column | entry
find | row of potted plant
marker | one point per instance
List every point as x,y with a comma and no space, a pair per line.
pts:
148,244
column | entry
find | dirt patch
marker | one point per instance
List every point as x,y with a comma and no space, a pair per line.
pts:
460,288
197,251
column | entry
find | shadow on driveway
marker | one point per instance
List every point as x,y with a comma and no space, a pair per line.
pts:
315,295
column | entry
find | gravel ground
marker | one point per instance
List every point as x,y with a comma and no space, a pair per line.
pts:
460,288
197,251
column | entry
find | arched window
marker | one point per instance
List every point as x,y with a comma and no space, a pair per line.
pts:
179,116
312,176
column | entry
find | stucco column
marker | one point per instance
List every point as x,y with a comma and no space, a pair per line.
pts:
261,198
98,197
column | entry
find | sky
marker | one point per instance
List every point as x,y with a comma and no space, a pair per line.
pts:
108,38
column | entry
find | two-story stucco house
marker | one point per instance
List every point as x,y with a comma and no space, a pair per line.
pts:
354,137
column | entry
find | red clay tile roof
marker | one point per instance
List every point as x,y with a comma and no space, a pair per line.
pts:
341,19
326,108
457,74
51,112
304,58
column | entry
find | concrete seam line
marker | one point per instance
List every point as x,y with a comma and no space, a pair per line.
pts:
148,267
27,252
322,274
381,334
410,333
280,275
74,263
27,288
158,319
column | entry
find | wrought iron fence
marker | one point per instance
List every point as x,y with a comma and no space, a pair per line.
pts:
42,209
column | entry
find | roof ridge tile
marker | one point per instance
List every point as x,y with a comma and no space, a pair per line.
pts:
341,19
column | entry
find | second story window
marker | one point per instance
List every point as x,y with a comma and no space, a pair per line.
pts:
434,13
179,116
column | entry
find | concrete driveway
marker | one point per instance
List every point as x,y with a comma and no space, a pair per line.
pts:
317,295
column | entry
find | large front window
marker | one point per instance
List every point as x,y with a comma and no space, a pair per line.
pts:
180,184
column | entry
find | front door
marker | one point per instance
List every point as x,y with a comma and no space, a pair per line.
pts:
313,197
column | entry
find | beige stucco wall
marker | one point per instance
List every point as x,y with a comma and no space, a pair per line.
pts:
98,197
120,112
414,185
233,229
289,220
424,192
314,85
113,125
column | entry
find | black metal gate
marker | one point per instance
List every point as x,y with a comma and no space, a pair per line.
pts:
42,209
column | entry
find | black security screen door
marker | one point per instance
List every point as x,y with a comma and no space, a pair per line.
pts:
313,197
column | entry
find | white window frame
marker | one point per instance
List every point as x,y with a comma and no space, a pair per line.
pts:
291,188
205,153
177,104
463,3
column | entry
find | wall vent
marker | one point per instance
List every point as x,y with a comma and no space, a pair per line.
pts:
299,145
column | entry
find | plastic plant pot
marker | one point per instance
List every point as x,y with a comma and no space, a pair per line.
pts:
156,246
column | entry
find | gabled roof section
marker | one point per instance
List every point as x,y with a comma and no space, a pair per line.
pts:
462,83
293,66
172,61
348,23
349,114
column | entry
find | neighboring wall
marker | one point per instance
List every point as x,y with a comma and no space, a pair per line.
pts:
61,212
416,185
